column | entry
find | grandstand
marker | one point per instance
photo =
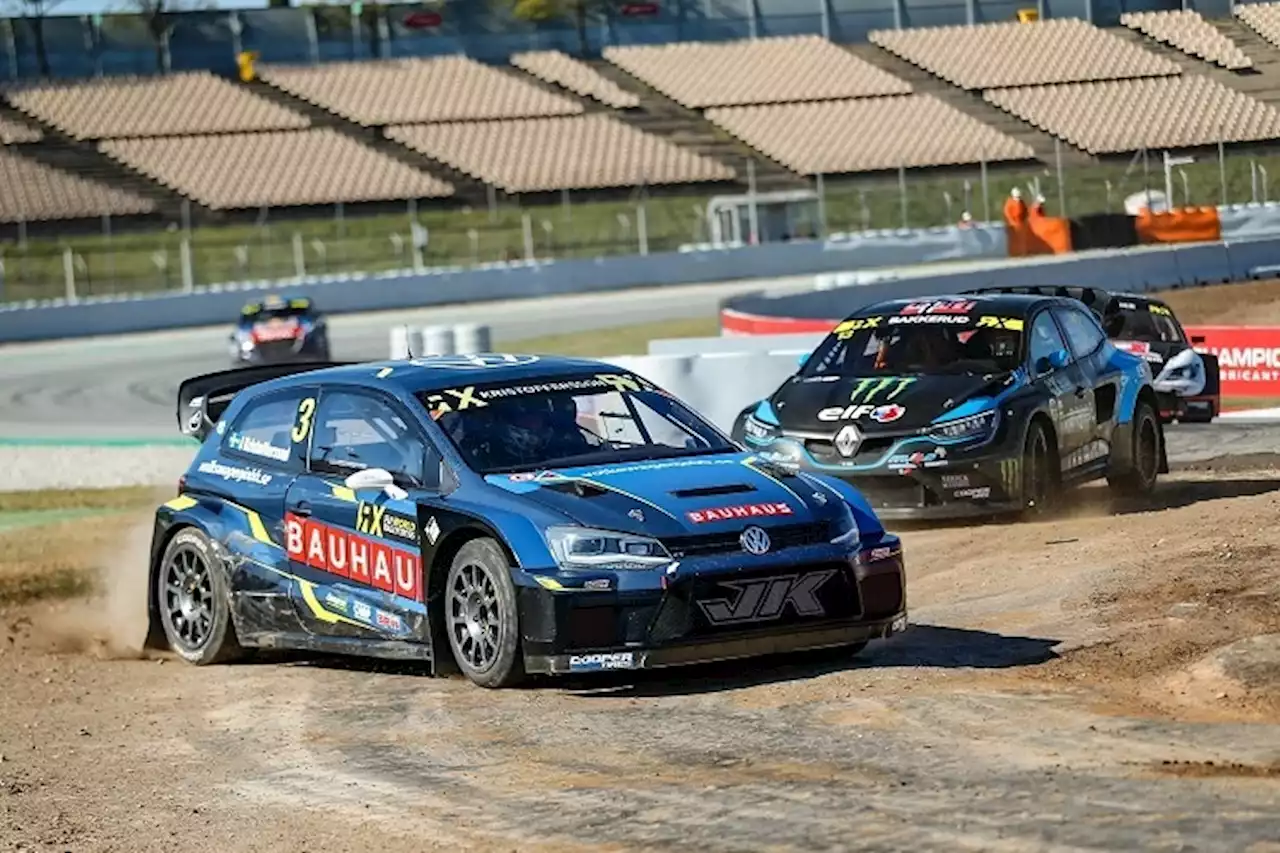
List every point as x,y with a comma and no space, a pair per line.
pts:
685,115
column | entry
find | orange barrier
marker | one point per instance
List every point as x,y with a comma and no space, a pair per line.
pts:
1037,234
1185,225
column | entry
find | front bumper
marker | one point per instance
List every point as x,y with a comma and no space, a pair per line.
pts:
1202,407
970,488
703,617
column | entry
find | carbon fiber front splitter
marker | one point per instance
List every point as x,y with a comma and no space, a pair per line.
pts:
708,651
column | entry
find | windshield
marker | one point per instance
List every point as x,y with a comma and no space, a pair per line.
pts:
1135,324
896,345
565,423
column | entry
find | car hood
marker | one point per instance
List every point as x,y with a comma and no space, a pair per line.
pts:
877,404
676,497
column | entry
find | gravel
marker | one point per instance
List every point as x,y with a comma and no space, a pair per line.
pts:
27,468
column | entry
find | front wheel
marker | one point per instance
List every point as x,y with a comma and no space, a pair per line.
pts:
1039,472
481,615
1140,479
194,601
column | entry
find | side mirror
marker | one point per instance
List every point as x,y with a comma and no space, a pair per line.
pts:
803,360
1055,360
376,478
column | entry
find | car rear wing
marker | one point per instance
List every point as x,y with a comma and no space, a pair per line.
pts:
203,399
1095,298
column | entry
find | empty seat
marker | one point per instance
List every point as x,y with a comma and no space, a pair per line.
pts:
539,155
552,66
867,134
396,91
16,133
171,105
34,192
276,169
1262,18
760,71
986,56
1127,115
1190,33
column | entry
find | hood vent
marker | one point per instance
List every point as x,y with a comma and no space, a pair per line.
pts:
577,488
714,491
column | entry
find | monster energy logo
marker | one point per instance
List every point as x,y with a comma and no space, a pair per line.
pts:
870,389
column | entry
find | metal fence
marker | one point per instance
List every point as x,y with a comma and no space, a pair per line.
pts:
279,246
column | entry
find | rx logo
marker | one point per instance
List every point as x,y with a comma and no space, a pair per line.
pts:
765,599
369,518
464,399
754,540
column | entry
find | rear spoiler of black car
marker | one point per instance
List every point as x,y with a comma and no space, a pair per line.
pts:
203,399
1095,298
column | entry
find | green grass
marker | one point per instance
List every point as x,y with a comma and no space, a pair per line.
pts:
43,500
584,228
617,340
54,541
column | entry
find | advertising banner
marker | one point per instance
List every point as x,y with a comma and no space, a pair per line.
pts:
1248,357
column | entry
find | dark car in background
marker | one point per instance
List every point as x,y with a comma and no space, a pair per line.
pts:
279,330
1186,381
965,405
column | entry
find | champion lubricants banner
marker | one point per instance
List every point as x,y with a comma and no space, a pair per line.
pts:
1248,357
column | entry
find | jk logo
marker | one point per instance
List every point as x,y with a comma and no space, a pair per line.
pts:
765,599
369,518
871,389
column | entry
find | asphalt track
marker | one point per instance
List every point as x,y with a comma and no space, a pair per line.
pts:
123,388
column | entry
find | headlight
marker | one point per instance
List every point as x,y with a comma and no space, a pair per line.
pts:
246,344
844,529
587,549
970,427
758,429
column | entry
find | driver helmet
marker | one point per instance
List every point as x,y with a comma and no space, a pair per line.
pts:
528,429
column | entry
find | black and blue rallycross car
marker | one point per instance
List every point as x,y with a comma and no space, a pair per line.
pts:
974,404
279,329
527,514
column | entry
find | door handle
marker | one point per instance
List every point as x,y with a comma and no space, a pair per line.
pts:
301,508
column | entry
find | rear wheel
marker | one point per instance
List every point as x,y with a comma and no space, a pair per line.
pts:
1140,479
1039,472
481,615
194,601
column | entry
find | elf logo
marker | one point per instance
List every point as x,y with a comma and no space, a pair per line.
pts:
879,414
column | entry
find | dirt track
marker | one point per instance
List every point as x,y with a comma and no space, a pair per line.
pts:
1061,689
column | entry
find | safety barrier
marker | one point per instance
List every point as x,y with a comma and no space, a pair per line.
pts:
522,279
413,342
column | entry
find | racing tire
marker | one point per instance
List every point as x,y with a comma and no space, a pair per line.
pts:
1140,479
1040,472
194,601
481,616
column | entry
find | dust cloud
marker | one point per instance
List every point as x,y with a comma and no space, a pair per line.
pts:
111,624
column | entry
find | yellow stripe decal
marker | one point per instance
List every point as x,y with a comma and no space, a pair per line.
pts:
256,527
548,583
181,502
342,493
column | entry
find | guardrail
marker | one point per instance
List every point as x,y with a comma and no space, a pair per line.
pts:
521,279
1134,270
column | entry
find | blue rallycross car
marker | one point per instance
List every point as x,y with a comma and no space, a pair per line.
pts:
964,405
530,514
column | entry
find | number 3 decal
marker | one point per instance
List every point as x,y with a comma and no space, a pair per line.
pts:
302,429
